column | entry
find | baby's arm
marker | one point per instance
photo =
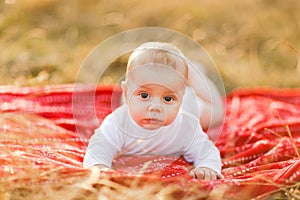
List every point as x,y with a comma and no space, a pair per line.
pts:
205,174
205,157
213,106
101,149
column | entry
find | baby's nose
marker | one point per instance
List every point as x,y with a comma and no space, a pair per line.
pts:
155,107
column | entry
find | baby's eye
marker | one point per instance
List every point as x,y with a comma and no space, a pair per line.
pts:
144,95
168,98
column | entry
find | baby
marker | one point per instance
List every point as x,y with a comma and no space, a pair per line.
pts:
160,115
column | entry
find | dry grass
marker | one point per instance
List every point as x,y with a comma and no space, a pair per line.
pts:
95,186
254,43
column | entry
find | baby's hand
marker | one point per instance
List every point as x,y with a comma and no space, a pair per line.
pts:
205,174
104,168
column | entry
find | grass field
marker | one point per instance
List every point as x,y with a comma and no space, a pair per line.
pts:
253,43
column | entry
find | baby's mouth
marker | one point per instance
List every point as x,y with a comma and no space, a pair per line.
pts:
152,121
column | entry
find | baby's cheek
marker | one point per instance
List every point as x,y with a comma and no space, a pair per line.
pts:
136,110
171,114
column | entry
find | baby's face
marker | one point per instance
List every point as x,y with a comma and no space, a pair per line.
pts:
154,95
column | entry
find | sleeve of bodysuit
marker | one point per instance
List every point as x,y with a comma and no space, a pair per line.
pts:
103,145
203,153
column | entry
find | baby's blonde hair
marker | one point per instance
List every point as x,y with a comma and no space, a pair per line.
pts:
159,53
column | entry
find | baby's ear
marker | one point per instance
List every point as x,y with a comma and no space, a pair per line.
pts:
124,88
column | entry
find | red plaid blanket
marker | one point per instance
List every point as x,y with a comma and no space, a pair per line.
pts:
45,130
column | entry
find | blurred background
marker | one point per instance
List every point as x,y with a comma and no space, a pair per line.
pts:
254,43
